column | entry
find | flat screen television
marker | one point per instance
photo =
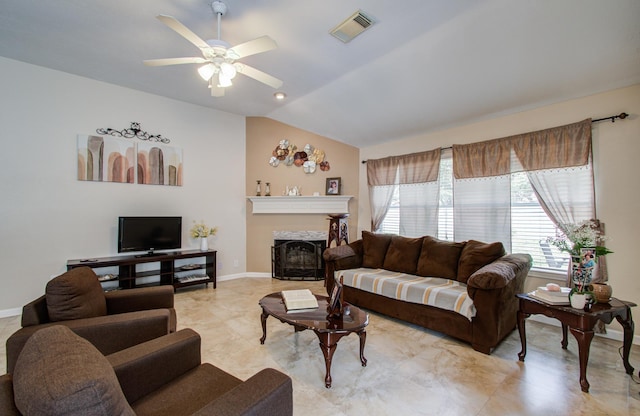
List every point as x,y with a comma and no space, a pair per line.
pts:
149,234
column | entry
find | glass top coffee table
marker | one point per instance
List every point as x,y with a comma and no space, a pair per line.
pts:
328,329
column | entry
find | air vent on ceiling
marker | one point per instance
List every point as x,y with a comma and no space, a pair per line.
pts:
352,26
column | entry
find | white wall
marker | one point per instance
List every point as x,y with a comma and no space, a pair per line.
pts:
616,150
47,216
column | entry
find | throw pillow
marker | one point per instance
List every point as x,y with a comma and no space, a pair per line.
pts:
402,255
439,258
374,249
60,373
476,254
75,294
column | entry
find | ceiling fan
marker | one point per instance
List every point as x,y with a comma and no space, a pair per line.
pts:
219,58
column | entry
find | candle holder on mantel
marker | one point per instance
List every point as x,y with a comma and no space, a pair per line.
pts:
258,193
267,189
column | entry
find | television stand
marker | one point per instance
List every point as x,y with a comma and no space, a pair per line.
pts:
175,269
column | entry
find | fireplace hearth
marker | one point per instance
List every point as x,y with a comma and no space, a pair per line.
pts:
297,255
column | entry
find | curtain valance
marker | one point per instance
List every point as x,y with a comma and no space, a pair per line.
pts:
557,147
418,167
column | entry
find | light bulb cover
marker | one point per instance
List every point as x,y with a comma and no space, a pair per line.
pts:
228,70
223,81
206,71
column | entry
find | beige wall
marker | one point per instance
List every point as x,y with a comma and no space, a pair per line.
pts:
263,135
616,149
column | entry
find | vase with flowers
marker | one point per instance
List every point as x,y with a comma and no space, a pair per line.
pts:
202,231
584,244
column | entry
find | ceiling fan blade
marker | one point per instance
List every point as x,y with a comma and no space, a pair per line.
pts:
258,75
183,31
174,61
258,45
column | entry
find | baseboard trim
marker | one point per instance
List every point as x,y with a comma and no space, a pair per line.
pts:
614,334
6,313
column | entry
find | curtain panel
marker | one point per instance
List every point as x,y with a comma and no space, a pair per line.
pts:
410,172
557,162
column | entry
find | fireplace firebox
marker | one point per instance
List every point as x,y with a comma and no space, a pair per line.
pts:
297,258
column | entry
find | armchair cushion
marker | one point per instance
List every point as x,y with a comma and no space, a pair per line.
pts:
71,376
75,294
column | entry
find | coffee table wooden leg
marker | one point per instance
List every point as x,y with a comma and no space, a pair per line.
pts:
584,344
523,336
564,341
328,344
363,338
263,318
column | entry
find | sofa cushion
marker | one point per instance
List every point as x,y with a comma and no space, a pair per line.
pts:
476,254
76,294
439,258
374,249
60,373
402,254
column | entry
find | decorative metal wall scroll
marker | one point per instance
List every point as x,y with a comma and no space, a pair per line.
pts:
134,131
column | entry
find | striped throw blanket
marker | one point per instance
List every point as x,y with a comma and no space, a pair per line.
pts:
433,291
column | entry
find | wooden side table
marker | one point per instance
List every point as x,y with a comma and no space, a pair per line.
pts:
581,325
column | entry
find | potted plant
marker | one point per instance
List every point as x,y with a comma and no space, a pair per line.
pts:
584,243
202,231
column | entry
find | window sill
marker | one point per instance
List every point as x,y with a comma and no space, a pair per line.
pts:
560,276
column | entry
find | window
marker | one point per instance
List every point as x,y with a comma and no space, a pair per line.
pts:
530,225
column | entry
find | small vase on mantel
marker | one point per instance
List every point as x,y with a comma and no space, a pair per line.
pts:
204,244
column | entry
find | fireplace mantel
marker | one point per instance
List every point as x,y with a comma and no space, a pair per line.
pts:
336,204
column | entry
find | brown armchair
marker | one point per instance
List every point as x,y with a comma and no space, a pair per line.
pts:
111,321
59,373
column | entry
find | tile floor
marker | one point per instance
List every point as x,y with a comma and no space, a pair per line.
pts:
410,371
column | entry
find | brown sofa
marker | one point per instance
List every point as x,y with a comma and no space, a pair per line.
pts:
111,321
60,373
491,276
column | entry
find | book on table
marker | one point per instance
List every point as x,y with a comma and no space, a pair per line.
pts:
552,297
299,299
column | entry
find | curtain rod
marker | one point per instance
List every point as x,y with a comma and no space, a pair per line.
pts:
621,116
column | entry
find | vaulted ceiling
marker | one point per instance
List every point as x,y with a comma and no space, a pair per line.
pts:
424,65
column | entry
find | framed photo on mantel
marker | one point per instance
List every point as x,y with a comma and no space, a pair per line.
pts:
333,186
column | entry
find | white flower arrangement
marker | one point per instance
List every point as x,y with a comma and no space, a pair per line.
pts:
201,230
585,234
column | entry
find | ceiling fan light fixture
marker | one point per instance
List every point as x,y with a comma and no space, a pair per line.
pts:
228,70
206,71
280,96
224,81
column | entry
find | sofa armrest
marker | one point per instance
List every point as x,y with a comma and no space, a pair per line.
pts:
130,300
161,360
108,334
268,392
7,404
499,273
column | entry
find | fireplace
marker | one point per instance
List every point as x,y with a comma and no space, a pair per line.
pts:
297,255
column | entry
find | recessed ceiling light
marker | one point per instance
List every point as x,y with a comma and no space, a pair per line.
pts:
279,95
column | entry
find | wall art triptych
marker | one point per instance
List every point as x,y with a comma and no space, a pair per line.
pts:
111,159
